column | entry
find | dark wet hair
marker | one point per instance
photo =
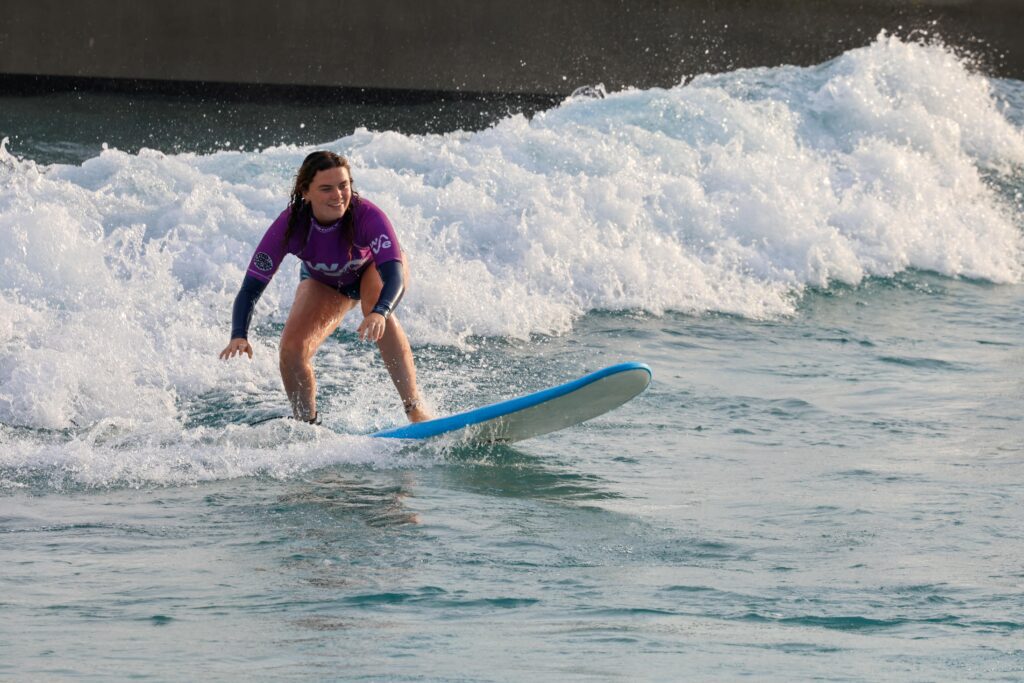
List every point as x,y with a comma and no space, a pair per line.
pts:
301,214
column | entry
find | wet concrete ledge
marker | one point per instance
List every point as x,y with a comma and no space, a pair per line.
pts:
538,47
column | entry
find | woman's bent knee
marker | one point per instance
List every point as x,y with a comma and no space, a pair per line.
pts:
294,352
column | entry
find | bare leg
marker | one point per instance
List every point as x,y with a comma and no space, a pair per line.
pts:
315,314
395,350
397,356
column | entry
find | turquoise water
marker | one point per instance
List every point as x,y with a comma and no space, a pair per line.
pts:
823,267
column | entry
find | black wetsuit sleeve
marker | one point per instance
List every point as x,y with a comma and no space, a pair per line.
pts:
241,312
393,289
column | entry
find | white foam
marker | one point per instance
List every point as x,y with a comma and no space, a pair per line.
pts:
120,453
731,193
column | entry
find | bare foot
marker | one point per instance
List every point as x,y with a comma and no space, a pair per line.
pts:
418,414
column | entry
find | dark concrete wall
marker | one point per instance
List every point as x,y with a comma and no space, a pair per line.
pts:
525,46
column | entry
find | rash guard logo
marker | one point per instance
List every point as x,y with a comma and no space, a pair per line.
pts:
336,269
263,261
381,242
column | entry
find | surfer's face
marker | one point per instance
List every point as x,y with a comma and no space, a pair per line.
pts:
329,194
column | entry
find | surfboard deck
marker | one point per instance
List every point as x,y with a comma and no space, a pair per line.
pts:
538,413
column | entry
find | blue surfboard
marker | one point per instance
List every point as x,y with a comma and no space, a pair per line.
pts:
534,414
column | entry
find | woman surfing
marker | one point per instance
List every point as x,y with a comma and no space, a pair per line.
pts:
350,255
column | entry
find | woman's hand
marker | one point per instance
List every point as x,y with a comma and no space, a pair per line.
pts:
372,327
236,348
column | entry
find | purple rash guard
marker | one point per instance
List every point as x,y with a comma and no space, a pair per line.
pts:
327,258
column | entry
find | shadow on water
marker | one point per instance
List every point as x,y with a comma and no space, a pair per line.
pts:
508,472
379,497
339,495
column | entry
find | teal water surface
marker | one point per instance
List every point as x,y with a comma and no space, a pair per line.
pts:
836,496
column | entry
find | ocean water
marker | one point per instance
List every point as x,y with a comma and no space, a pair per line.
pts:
823,266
